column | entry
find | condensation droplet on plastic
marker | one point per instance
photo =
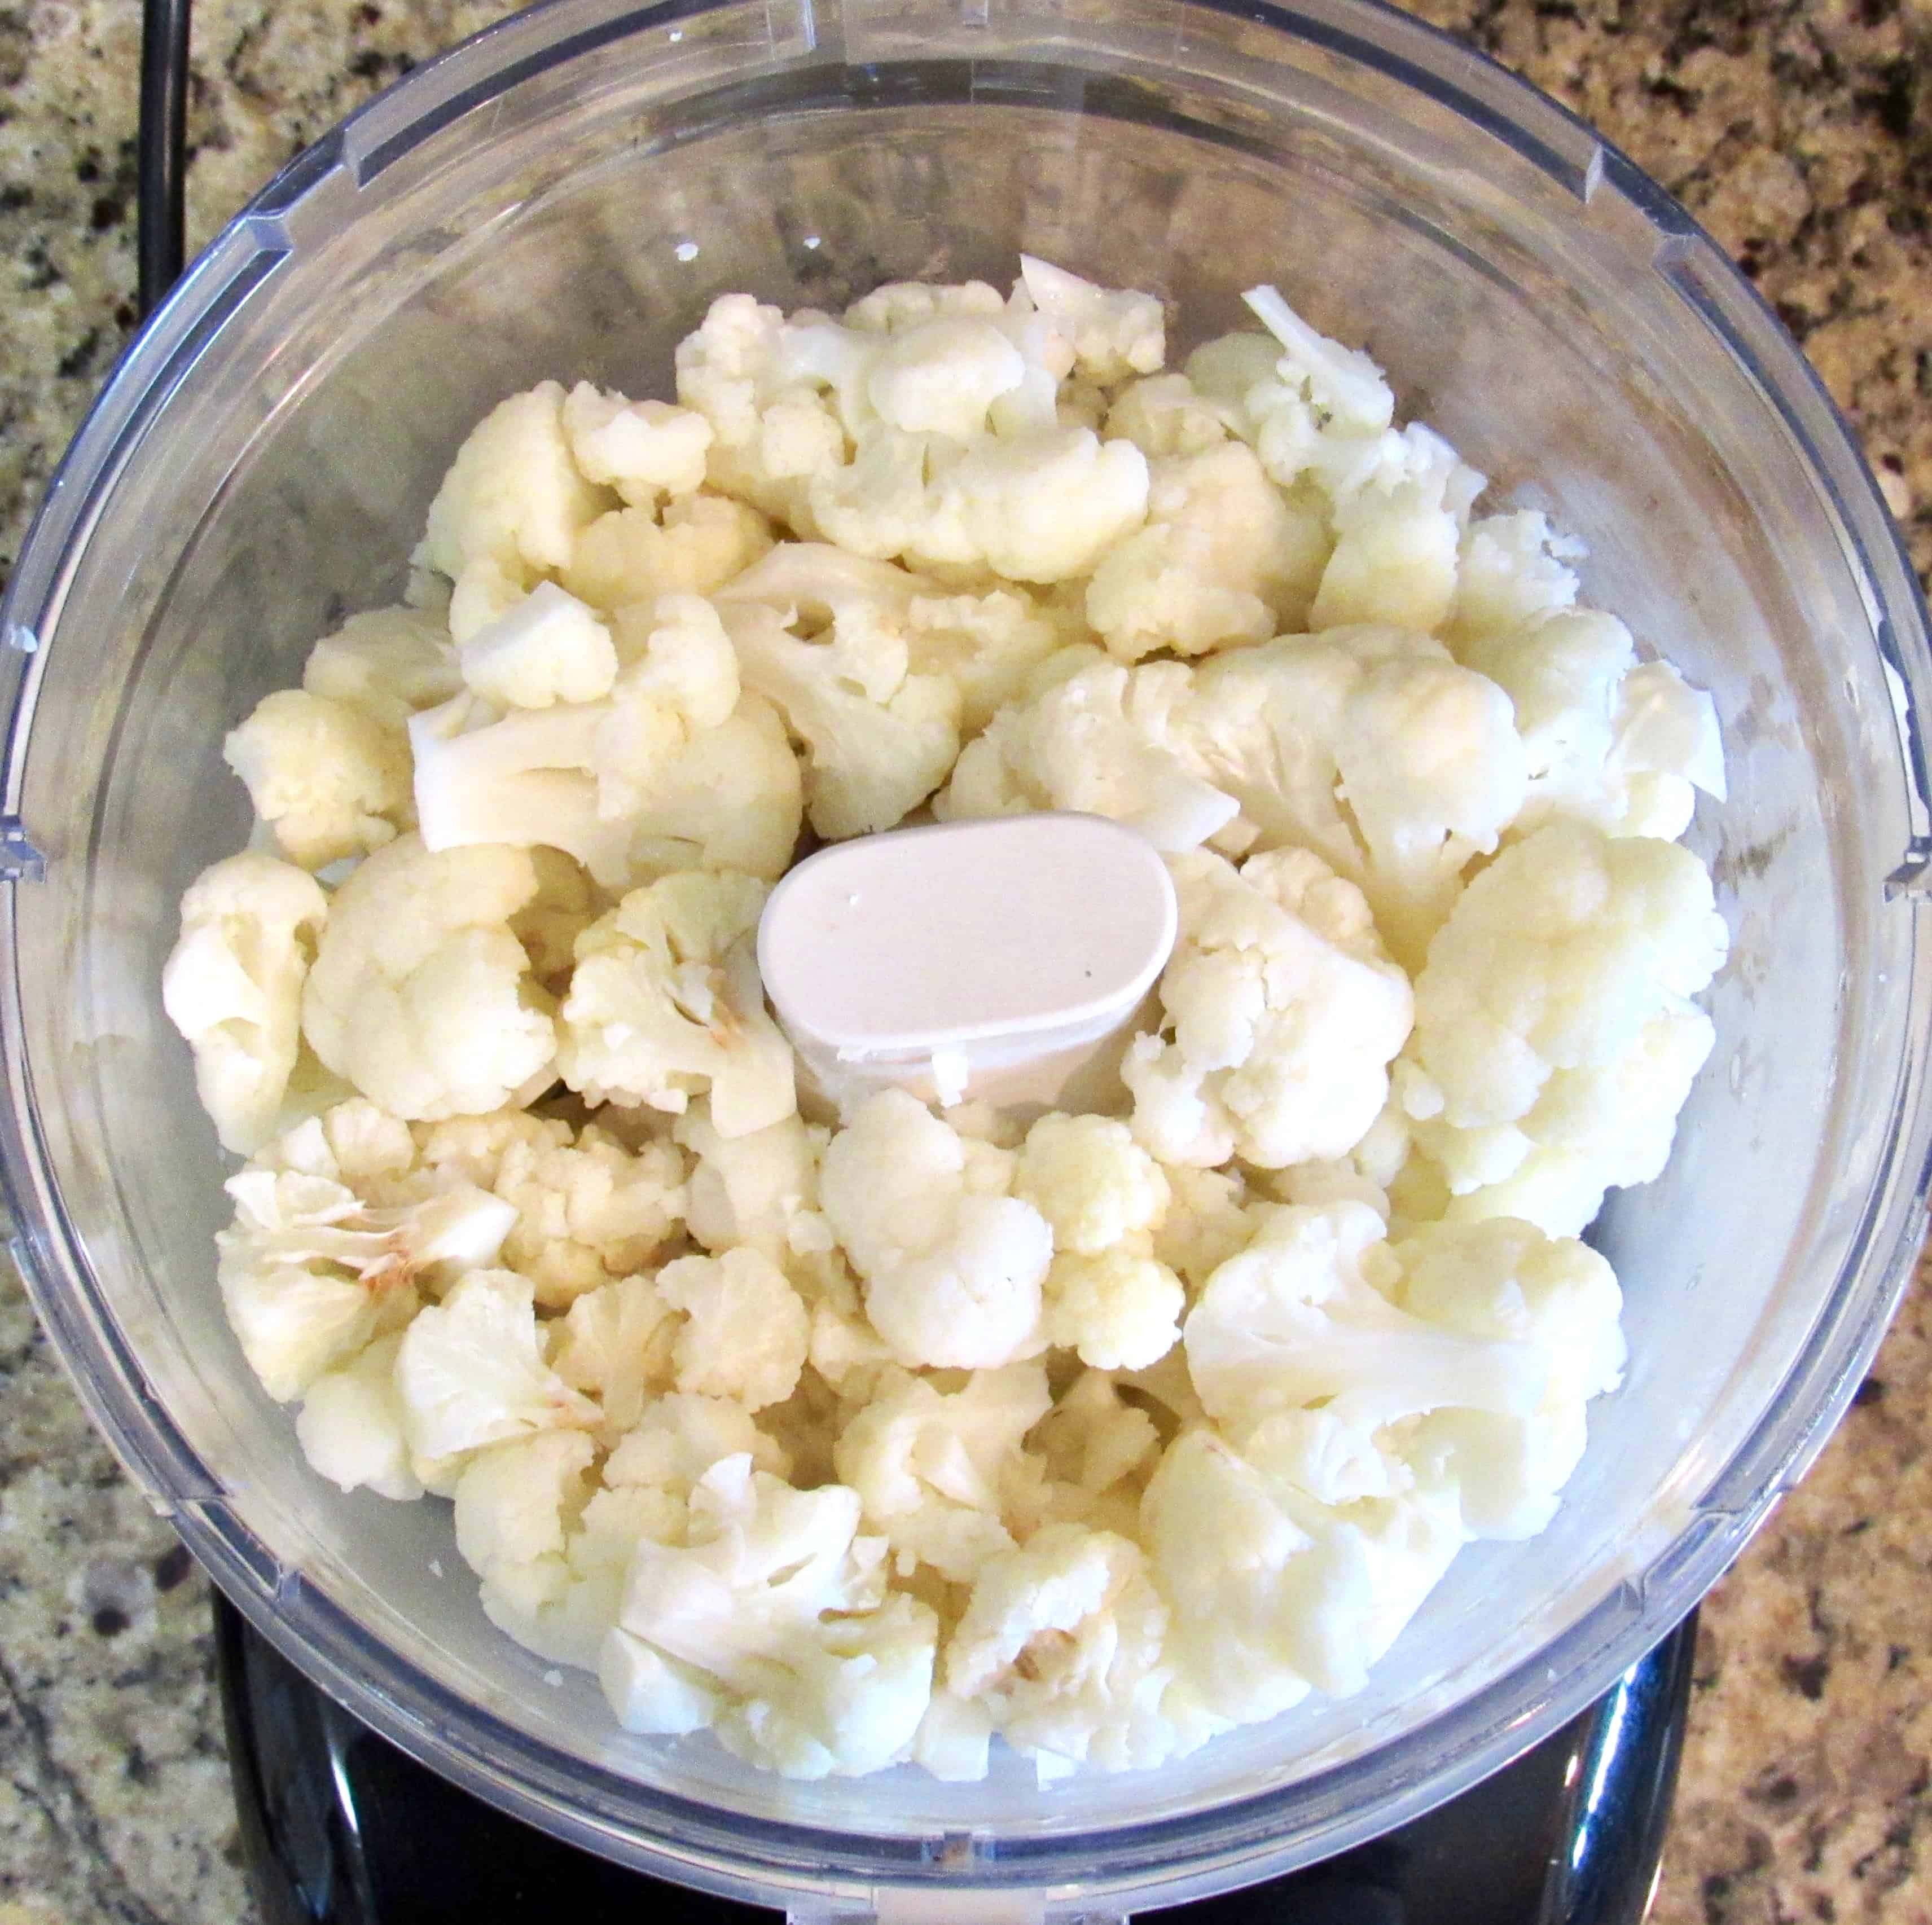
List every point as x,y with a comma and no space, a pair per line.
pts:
814,241
686,250
676,35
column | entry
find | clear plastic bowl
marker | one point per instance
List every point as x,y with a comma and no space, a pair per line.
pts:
564,195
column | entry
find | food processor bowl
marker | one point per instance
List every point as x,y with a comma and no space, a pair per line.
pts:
562,196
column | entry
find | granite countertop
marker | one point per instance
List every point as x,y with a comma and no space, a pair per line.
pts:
1801,134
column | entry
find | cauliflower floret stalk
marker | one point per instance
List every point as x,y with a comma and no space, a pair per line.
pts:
1063,1638
1368,745
1074,746
1223,560
1305,1363
551,1524
665,1004
1114,336
1281,1016
1097,1449
673,767
952,1263
420,996
1618,743
510,509
232,986
1555,1039
337,1231
936,1470
879,738
589,1210
771,1624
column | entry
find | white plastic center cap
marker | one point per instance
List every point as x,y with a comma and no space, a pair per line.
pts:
993,959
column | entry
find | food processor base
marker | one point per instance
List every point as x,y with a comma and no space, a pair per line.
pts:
341,1828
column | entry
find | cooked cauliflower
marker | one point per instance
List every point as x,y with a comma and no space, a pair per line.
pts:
1074,746
232,986
672,767
665,1004
879,738
335,1231
328,780
588,1209
1092,1434
746,1330
952,1264
1284,1013
937,1470
1223,560
1554,1038
1064,1639
419,995
771,1622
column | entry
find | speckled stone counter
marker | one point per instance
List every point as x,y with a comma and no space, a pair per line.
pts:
1802,136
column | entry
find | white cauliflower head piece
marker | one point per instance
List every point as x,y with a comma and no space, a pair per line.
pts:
665,1004
420,996
952,1264
232,986
1284,1012
1555,1040
771,1624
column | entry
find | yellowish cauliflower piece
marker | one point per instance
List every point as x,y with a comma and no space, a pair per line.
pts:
665,1004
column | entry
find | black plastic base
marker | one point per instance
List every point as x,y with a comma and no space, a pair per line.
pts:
341,1828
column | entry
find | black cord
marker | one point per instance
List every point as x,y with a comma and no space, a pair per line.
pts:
160,240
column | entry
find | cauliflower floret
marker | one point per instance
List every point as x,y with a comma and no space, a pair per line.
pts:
1041,505
333,1231
666,1004
1271,1592
1609,741
588,1209
904,303
552,1532
1208,1220
772,1623
232,986
1063,1638
879,738
350,1425
1165,414
644,449
514,502
1073,746
388,663
1504,1280
759,1190
1285,1013
939,376
1513,568
1113,335
1368,745
471,1372
933,1469
1555,1039
328,780
615,782
1304,1362
952,1264
1091,1181
1119,1309
986,645
747,1332
614,1344
419,995
550,648
1223,560
1097,1450
630,555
